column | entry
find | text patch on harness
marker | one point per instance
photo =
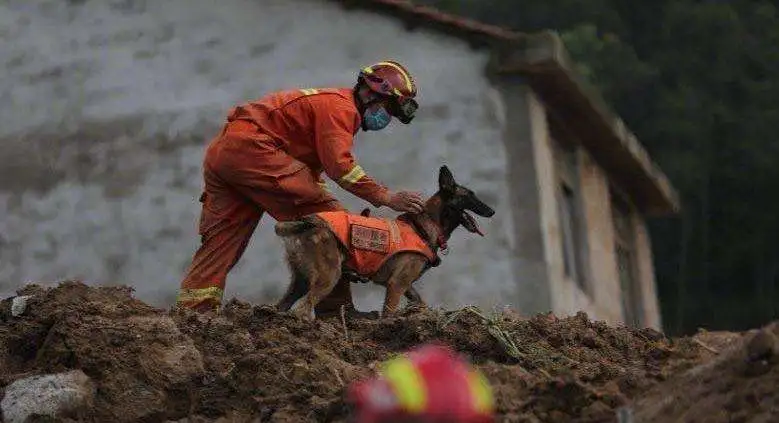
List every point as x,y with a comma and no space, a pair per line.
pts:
372,239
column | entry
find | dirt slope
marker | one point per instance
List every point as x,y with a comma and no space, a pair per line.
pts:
738,386
254,364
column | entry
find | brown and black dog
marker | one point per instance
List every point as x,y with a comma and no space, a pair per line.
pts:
316,256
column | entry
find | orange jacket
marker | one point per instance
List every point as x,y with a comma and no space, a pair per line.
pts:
371,241
317,127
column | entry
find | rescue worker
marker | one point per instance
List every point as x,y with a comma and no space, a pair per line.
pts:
269,158
430,384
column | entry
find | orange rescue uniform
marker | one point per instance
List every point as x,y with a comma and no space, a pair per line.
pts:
269,157
371,241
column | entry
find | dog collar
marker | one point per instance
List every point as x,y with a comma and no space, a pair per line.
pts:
439,239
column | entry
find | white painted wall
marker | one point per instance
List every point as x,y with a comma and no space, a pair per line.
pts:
106,107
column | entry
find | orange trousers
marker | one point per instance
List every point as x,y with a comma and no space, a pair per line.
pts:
246,175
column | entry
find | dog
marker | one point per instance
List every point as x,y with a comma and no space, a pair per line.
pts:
391,253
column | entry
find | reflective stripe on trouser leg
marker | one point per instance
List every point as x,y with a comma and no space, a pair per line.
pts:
189,296
223,241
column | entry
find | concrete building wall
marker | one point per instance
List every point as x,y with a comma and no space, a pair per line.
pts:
603,266
604,296
569,296
527,173
536,150
595,287
106,107
646,275
638,298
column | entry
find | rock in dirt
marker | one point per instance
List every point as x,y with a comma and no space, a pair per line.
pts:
19,305
760,352
177,362
762,346
51,395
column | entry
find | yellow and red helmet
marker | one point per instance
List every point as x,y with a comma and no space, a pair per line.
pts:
430,383
391,79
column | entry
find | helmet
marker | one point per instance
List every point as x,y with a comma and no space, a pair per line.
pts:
431,382
391,79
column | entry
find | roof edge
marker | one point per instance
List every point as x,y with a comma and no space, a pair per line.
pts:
544,54
472,31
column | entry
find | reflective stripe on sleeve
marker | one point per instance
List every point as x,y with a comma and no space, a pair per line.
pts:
353,176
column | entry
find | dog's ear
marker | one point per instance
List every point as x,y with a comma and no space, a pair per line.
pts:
446,181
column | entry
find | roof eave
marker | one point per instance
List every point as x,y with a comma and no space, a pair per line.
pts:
415,16
542,59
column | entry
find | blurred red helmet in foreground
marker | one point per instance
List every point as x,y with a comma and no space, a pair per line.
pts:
428,384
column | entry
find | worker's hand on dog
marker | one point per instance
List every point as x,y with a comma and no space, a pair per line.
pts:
406,201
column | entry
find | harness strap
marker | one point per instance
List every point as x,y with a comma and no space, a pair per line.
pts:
440,239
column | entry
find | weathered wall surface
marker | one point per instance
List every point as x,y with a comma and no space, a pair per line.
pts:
602,299
106,106
604,278
646,275
530,170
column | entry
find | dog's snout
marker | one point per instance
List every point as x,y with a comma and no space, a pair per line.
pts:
481,209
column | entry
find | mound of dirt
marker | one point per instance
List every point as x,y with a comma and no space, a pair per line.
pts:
252,363
740,385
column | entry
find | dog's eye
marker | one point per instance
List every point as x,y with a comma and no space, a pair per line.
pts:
465,192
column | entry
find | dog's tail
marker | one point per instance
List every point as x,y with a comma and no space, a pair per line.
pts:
294,227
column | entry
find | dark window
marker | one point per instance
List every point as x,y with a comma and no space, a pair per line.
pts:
624,247
570,202
570,230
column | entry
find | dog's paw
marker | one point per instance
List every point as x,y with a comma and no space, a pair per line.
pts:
304,313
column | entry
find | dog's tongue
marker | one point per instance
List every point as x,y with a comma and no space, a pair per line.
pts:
470,223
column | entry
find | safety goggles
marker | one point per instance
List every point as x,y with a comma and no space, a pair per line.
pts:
403,109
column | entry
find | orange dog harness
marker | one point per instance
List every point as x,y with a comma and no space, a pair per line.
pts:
371,241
